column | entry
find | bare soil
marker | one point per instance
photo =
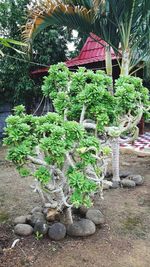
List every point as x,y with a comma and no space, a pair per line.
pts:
124,241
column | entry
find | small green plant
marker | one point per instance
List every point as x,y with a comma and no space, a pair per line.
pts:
24,172
38,236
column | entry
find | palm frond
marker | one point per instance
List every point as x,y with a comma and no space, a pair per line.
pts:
41,16
115,21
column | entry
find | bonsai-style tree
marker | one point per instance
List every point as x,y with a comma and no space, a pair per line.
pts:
68,164
62,150
83,96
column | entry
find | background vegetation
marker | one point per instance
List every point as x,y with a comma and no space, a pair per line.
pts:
50,47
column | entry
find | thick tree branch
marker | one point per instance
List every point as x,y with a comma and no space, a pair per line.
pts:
87,125
82,113
37,161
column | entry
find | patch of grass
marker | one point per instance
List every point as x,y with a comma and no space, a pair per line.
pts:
4,217
131,222
135,225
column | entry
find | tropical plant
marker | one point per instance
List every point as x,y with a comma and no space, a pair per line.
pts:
67,164
124,27
8,43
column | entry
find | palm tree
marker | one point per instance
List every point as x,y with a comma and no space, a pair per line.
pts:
133,21
79,15
124,27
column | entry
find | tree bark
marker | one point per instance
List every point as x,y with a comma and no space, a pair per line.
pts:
109,68
115,158
68,216
125,62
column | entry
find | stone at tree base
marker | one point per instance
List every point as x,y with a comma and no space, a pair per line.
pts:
95,216
115,184
41,228
36,209
84,227
36,217
23,229
57,231
20,219
138,179
128,183
51,215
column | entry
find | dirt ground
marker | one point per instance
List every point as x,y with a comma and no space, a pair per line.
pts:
124,241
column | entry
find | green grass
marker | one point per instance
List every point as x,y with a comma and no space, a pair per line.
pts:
4,217
131,222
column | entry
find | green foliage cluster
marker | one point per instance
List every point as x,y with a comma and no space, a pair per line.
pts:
130,94
69,91
82,188
42,174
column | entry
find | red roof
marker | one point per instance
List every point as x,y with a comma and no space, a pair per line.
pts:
92,51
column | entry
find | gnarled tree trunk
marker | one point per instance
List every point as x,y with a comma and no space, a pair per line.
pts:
68,216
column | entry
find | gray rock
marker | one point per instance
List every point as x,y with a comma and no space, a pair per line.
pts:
36,217
138,179
23,229
20,219
128,183
115,184
57,231
36,209
95,216
41,228
84,227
